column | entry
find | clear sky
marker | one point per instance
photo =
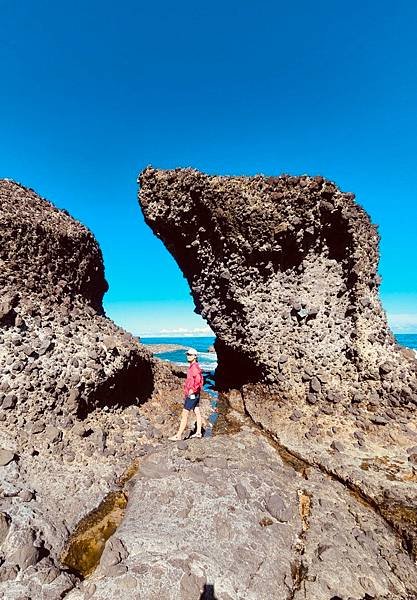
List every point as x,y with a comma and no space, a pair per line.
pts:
93,91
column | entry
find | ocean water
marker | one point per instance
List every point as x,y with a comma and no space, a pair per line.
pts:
208,363
407,339
207,360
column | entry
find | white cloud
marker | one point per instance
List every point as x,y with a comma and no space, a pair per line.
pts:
403,322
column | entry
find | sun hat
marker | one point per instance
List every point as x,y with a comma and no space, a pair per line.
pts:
192,351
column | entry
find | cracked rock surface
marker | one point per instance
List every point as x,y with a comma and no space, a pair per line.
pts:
232,517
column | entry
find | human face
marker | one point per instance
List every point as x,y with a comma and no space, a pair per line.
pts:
190,358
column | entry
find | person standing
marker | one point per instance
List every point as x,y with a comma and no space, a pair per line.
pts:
192,390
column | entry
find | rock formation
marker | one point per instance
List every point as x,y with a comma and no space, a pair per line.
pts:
307,490
284,270
76,391
58,350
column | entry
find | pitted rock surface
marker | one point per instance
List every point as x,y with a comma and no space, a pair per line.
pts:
57,349
284,270
78,395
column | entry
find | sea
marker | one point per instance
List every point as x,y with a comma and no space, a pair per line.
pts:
208,360
407,339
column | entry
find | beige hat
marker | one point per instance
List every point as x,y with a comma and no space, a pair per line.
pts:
192,351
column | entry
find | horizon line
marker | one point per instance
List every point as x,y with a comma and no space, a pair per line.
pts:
207,334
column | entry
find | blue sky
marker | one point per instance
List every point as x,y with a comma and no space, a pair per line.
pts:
92,92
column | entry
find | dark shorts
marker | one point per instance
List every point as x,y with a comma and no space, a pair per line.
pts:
191,403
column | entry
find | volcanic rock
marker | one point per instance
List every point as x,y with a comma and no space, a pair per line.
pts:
287,266
280,266
70,380
64,353
267,531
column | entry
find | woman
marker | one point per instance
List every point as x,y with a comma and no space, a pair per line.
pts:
192,389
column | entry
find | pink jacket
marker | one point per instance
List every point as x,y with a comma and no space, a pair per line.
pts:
194,379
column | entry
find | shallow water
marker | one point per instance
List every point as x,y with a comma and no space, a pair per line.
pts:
207,360
86,544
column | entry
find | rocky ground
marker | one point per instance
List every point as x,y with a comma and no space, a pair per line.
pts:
49,482
307,490
231,518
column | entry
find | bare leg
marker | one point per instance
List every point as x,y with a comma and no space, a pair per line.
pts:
199,422
183,425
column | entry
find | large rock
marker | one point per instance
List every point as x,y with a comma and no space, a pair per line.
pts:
284,269
75,390
57,349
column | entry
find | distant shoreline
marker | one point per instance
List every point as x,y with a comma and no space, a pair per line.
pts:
159,348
